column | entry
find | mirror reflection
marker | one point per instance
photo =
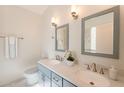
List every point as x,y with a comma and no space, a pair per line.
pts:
99,34
62,38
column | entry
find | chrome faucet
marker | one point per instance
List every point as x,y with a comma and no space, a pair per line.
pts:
88,66
101,71
93,67
59,58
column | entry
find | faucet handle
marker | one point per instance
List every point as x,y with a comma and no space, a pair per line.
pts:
101,71
57,57
88,66
62,59
94,67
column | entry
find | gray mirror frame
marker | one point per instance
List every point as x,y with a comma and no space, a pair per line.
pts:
115,55
67,26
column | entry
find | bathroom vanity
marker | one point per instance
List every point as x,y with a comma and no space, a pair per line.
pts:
54,73
48,78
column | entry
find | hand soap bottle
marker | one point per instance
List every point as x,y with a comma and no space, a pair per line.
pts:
113,73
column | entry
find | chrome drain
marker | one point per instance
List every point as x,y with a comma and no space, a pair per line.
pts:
91,83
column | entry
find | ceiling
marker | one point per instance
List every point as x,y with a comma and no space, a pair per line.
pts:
39,9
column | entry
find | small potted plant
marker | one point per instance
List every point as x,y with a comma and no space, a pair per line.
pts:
69,59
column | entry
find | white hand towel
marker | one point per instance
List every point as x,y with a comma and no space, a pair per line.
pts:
16,46
11,47
7,47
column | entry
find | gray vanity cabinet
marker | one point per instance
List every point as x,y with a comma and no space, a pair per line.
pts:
41,79
54,84
56,80
67,84
44,71
45,76
51,79
47,82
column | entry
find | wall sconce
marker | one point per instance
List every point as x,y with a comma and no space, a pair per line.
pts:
74,12
53,22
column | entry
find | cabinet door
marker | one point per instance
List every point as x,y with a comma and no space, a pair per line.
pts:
54,85
41,79
44,70
44,81
47,82
67,84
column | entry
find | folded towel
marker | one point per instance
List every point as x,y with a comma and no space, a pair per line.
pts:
7,47
11,47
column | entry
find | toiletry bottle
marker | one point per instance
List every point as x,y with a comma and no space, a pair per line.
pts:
113,72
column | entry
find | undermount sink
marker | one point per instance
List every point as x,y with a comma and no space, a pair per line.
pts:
94,79
54,62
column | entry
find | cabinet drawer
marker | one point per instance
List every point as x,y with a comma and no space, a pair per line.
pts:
44,81
44,70
67,84
57,79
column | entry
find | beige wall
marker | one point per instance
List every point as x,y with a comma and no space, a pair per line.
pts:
62,13
23,23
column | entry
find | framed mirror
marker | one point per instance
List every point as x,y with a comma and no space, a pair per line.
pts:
62,38
100,34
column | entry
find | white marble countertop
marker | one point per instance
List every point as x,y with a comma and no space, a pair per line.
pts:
72,73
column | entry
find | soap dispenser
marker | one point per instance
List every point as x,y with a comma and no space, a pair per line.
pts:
113,73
